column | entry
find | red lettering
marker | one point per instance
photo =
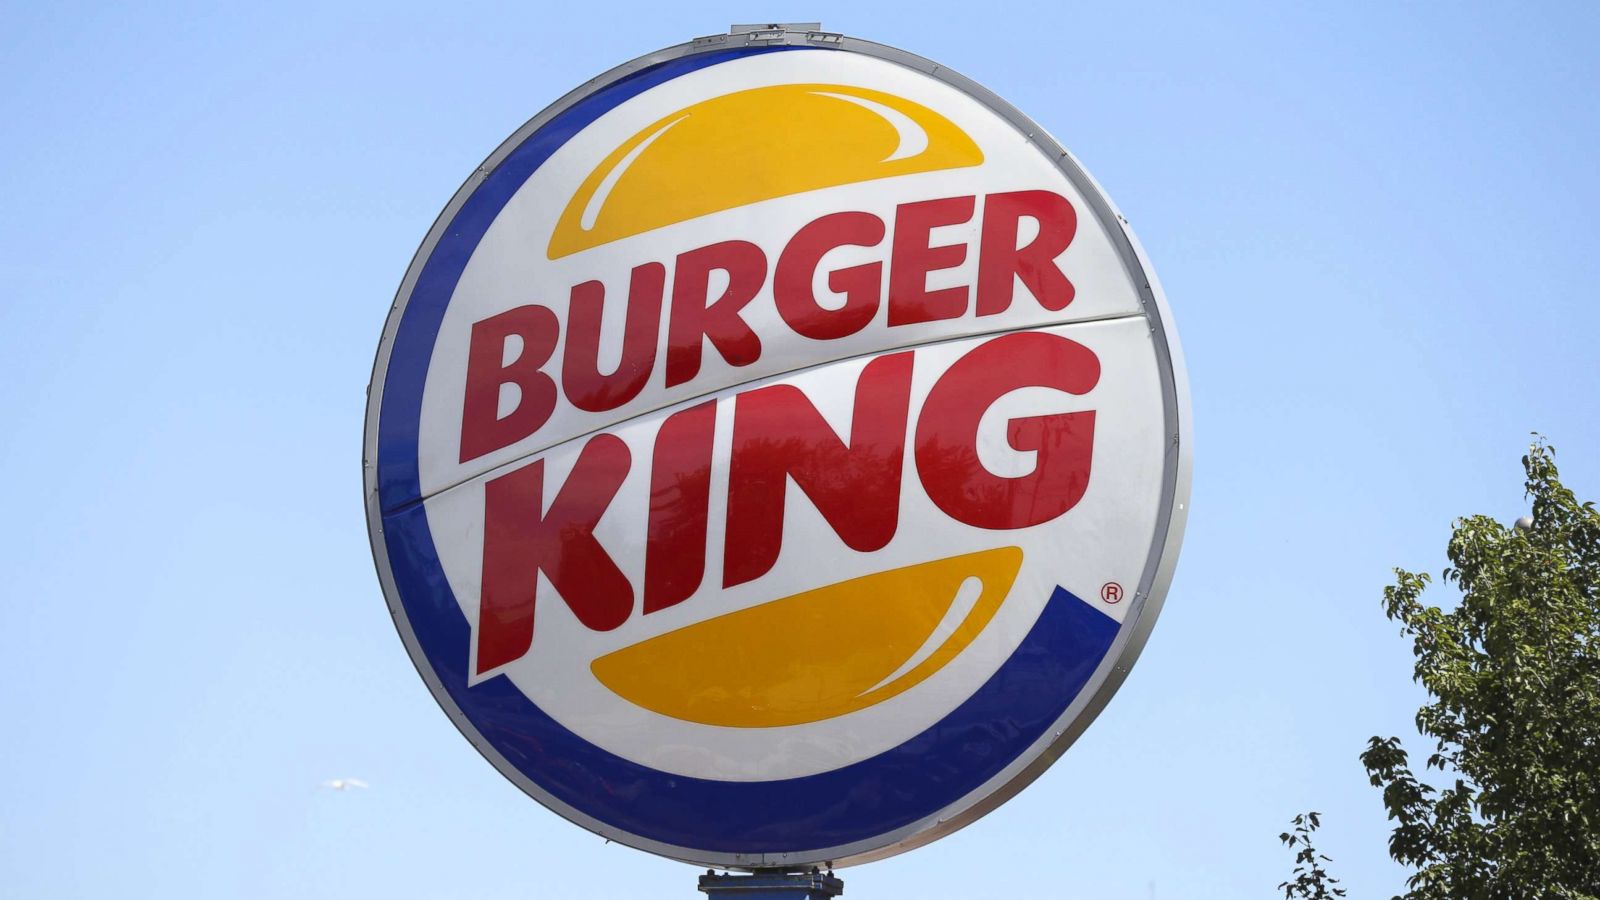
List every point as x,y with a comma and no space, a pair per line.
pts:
586,388
912,259
519,543
483,430
778,434
680,492
947,432
1001,261
861,285
693,319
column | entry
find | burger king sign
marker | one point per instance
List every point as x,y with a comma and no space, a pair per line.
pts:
777,452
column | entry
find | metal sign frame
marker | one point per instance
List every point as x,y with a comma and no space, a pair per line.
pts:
1144,604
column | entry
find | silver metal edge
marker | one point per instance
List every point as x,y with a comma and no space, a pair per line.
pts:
1154,581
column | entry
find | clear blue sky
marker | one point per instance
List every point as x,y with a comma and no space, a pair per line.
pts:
1376,224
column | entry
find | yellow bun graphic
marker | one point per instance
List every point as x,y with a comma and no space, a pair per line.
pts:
818,654
755,145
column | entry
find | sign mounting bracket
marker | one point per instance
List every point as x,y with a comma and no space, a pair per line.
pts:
770,884
771,34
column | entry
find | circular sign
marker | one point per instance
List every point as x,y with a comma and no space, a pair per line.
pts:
775,454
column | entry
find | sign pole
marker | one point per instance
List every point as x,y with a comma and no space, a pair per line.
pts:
771,884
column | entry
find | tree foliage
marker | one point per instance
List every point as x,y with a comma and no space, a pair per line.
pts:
1311,881
1513,677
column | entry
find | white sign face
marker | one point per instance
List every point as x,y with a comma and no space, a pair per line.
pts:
776,454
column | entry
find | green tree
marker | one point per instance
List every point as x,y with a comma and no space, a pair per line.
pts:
1513,677
1311,881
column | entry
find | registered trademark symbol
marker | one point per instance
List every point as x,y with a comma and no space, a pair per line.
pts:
1111,592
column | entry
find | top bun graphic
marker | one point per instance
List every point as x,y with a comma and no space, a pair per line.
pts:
755,145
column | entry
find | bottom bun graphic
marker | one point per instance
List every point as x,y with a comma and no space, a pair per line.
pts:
818,654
